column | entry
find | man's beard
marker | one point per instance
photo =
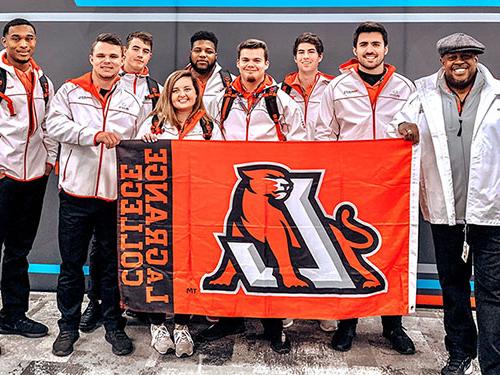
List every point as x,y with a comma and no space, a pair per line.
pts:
202,71
460,85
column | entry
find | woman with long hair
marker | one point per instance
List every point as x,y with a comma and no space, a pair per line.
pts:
179,114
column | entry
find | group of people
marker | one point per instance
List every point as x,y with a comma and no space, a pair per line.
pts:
454,116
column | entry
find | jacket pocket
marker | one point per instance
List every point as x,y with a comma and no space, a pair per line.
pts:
66,165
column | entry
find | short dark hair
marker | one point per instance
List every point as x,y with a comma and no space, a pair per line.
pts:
370,27
311,38
204,35
109,38
146,38
17,22
253,44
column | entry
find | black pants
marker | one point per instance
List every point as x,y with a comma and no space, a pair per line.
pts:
94,272
20,210
485,246
79,219
454,277
389,322
272,327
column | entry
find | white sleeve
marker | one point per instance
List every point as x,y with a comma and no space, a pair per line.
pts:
213,111
409,113
295,127
327,128
51,145
60,124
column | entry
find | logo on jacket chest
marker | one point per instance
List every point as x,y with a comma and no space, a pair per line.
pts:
350,92
395,94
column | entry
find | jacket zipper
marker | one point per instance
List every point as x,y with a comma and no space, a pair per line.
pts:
104,114
66,165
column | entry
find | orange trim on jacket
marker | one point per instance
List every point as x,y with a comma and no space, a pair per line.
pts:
292,80
250,96
85,82
375,90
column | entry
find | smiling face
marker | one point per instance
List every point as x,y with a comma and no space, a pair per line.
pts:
370,51
203,56
106,60
459,69
252,65
183,95
307,58
20,43
137,56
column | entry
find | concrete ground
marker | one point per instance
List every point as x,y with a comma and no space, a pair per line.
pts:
241,354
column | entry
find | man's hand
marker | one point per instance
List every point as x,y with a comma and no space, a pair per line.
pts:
110,139
409,131
48,169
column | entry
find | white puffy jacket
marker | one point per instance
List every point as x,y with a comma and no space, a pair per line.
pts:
24,149
137,83
436,184
76,115
308,104
255,124
346,112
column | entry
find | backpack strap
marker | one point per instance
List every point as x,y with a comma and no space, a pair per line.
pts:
286,87
270,95
154,91
3,86
227,102
45,88
226,78
207,127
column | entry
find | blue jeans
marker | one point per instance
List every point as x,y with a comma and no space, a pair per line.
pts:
485,245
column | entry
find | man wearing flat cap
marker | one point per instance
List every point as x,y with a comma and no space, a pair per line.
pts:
456,114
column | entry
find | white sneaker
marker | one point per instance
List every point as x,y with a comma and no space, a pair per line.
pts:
287,323
161,340
328,325
184,345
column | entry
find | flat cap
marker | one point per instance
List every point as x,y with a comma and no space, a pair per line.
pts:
459,42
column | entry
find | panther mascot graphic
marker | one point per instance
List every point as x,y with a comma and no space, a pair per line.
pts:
259,214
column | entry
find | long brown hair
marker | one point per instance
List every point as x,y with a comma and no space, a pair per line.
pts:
164,108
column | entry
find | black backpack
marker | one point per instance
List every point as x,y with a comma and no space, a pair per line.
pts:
3,85
269,96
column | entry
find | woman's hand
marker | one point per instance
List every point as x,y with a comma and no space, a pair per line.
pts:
149,138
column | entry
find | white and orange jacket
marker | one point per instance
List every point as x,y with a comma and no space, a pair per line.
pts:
24,144
192,131
309,102
137,83
249,119
346,111
77,114
213,86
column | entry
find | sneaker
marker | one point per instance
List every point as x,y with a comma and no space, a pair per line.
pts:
184,345
222,329
212,319
23,326
120,342
91,317
160,339
287,323
343,337
457,365
63,345
328,325
400,341
281,344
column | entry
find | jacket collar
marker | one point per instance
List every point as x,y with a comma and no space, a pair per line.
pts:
85,82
